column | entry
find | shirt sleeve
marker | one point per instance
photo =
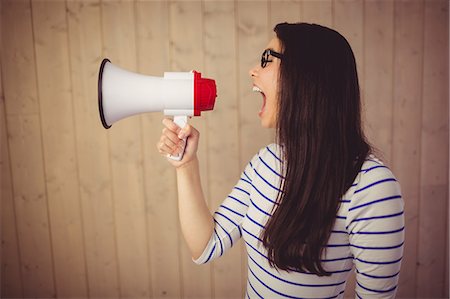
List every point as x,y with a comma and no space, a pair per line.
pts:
375,224
229,216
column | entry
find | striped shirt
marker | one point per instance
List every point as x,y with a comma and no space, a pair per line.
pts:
368,233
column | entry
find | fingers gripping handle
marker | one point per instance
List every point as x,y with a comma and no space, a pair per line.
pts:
181,121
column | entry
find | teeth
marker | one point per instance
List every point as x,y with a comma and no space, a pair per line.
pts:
256,88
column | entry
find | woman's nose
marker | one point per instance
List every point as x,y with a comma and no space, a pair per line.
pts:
253,72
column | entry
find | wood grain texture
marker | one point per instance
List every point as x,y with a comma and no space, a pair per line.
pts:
152,32
187,53
27,169
85,43
11,279
433,204
378,75
103,203
61,164
126,159
223,134
406,153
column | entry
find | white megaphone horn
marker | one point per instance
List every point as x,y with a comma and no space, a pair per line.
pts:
122,93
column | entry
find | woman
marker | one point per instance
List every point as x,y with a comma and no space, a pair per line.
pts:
315,203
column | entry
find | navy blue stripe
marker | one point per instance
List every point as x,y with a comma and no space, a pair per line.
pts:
371,168
375,183
379,263
247,175
261,210
254,236
377,291
363,247
228,218
282,294
250,245
375,217
270,168
358,296
232,197
375,201
255,290
379,233
293,270
240,189
231,210
265,197
378,248
273,154
267,182
345,200
220,242
209,257
341,217
229,236
244,180
378,277
254,221
374,161
273,290
295,283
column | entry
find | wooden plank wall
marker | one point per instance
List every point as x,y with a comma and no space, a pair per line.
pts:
87,212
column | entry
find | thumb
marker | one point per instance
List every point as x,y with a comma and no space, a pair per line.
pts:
186,131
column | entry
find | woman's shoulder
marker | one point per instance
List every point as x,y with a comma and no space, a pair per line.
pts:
270,153
268,156
374,167
374,173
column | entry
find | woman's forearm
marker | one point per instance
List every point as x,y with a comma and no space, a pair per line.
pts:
196,221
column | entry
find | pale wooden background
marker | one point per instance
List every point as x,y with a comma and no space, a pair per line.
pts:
88,212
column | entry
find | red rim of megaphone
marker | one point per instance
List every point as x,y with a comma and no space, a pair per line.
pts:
100,98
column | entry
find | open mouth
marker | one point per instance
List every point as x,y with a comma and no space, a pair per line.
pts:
257,89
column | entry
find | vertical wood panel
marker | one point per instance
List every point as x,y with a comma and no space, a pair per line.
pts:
284,11
84,27
54,85
24,133
434,154
119,44
253,37
186,40
378,76
318,12
252,29
152,25
11,280
223,135
348,19
406,127
108,224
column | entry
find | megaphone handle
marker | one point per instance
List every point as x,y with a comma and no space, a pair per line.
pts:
181,121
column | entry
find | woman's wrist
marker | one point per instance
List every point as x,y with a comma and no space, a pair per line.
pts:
187,165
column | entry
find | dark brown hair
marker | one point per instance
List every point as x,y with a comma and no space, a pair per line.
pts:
323,144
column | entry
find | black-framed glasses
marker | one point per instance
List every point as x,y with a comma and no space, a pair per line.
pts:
265,57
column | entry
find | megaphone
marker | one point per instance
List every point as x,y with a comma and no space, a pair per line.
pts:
122,93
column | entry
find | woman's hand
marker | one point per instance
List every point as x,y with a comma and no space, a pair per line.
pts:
171,142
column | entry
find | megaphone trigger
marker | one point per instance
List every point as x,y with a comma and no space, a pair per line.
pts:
181,121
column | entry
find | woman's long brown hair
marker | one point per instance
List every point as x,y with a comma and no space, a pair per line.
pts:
323,145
